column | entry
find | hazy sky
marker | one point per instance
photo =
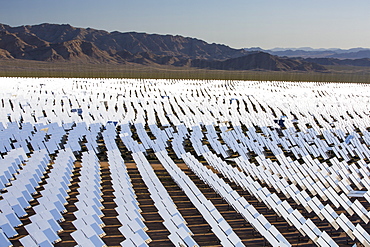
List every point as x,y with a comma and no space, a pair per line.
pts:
237,23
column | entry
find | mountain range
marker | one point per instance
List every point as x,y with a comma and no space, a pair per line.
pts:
54,42
307,52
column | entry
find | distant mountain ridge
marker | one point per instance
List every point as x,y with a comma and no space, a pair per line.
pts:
364,62
54,42
307,52
260,61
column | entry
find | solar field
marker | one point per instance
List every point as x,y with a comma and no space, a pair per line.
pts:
145,162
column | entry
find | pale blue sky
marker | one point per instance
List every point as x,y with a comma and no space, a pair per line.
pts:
237,23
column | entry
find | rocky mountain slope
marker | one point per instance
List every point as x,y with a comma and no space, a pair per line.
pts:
54,42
